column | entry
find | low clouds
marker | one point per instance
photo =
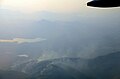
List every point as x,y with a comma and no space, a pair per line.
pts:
22,40
24,55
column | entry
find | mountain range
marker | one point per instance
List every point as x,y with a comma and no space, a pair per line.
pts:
103,67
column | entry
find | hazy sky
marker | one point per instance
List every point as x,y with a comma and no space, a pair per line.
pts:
58,6
49,5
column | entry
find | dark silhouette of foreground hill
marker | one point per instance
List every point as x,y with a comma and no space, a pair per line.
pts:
106,67
104,3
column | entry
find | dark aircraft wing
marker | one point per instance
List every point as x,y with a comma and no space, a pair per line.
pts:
104,3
